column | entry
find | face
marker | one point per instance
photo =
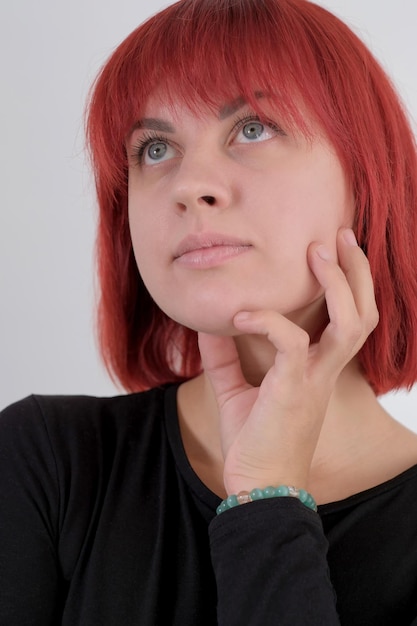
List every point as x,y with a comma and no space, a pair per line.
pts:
222,209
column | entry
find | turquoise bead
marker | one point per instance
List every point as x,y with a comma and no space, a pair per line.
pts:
311,503
303,495
222,507
232,501
256,494
269,492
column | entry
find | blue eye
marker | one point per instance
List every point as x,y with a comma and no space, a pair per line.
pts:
152,149
253,130
250,129
157,151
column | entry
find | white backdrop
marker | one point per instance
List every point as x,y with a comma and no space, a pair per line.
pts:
49,53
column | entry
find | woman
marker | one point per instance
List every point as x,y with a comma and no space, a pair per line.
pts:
241,149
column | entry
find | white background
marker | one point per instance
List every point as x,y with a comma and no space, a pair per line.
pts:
49,53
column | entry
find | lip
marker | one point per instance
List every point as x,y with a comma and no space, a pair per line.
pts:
208,250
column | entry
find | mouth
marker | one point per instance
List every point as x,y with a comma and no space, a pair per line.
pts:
208,250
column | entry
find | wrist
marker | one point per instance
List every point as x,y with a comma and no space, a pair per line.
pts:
247,484
281,491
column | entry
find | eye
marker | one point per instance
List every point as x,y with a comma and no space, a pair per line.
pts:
152,149
156,151
251,129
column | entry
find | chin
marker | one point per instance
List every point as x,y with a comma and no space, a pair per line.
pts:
211,320
214,314
212,326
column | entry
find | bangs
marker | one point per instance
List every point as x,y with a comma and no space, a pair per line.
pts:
208,58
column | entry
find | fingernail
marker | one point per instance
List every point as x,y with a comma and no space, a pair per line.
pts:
242,316
349,237
323,252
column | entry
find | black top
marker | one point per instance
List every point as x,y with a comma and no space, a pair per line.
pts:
104,523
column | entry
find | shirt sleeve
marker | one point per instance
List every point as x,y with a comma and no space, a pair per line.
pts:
270,563
29,505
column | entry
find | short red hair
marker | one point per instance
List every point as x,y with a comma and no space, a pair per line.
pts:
211,52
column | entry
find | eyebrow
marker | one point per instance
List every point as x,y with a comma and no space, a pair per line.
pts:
237,104
231,108
154,123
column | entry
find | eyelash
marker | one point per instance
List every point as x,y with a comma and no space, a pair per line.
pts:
150,137
240,122
146,140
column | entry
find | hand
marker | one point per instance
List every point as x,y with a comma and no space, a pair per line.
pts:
269,433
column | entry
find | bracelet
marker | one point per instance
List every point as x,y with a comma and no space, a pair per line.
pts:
269,492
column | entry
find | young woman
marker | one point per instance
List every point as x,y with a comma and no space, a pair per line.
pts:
241,149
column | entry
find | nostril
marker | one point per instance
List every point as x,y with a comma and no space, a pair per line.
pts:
209,199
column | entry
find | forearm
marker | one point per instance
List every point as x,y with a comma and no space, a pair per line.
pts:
270,564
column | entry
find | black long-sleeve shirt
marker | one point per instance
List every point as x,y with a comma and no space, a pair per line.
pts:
103,522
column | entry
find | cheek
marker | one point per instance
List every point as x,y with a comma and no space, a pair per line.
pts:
334,190
144,248
151,247
148,229
141,233
306,209
325,200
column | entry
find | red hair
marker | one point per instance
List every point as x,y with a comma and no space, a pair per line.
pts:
212,52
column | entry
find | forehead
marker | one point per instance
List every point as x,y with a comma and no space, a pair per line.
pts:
176,104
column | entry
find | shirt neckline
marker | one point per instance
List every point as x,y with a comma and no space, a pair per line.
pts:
209,499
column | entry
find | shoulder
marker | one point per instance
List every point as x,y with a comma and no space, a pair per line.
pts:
74,443
72,407
59,420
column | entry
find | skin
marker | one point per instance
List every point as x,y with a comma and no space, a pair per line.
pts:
277,193
281,399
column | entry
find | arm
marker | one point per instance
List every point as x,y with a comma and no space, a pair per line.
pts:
269,559
269,436
28,518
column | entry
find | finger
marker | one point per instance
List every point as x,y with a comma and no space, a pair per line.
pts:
290,342
349,299
356,268
221,363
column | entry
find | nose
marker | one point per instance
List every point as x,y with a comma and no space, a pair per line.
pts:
201,182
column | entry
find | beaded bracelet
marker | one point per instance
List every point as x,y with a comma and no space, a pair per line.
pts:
269,492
